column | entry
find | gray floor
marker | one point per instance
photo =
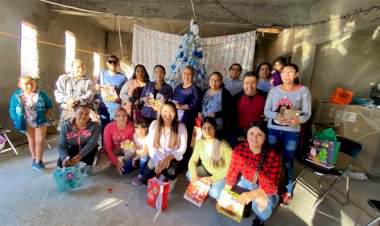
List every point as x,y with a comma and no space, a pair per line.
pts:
31,198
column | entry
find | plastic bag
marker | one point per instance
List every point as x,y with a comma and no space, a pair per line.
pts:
341,96
68,178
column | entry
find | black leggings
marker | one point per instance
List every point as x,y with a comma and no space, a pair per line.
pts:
88,159
171,172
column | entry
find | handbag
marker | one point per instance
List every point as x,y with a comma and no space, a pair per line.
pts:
68,178
341,96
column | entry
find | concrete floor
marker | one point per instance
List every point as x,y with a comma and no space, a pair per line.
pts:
31,198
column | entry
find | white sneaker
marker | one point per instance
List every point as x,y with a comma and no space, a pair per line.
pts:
172,184
87,171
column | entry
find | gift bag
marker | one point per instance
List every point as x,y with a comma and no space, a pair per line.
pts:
68,178
157,194
324,149
341,96
228,205
197,192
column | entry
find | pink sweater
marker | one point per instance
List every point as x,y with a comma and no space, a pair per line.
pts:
112,138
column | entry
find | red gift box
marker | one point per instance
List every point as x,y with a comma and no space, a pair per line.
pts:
158,194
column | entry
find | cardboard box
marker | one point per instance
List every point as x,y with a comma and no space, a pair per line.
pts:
197,192
228,205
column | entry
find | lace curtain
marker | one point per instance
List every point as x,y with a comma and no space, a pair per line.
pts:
152,47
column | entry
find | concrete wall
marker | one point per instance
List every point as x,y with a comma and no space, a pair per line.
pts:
339,53
51,28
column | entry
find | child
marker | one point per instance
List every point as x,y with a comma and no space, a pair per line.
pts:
141,157
29,109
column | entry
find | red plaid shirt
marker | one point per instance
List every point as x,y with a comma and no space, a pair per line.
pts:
244,161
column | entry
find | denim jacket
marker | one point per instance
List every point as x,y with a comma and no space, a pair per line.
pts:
16,109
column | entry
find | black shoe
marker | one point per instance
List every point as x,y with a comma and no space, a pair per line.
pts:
257,222
247,210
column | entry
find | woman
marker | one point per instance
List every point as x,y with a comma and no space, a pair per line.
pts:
78,139
259,167
167,141
154,94
284,133
215,156
132,90
187,97
215,104
114,134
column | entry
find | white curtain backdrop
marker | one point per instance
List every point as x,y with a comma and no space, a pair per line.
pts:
152,47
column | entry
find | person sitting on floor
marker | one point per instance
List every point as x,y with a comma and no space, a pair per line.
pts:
115,133
259,167
215,155
167,142
78,139
141,157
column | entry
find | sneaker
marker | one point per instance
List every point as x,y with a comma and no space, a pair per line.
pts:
34,161
257,222
87,171
172,184
137,181
38,166
286,199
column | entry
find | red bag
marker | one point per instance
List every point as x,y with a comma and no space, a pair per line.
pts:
158,193
341,96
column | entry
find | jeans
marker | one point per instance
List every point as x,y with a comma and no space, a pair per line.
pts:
216,188
141,163
264,214
287,143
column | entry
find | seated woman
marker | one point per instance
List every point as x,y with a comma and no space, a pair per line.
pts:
167,141
78,139
154,94
114,134
215,156
215,104
259,167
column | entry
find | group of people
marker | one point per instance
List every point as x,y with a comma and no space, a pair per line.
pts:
244,131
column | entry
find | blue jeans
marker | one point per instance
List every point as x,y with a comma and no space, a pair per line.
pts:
264,214
216,188
287,143
141,163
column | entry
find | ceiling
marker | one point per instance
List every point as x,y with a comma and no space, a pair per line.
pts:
215,17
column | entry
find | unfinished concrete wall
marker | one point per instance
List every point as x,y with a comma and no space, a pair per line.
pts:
51,28
339,53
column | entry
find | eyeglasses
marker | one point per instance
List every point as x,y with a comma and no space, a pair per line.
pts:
288,72
112,61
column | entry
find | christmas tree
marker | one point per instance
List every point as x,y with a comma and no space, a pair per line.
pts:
190,53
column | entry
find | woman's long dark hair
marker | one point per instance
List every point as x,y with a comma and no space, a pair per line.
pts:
217,159
146,78
173,142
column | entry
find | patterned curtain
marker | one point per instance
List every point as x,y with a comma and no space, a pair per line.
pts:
153,47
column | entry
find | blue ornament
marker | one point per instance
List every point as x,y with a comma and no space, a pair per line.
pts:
181,54
185,59
172,66
192,62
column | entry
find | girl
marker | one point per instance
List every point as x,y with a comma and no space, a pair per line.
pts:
78,139
167,141
259,167
154,94
140,137
114,134
30,109
285,132
215,156
275,78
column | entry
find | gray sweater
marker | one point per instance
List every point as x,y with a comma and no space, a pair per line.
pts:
295,100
